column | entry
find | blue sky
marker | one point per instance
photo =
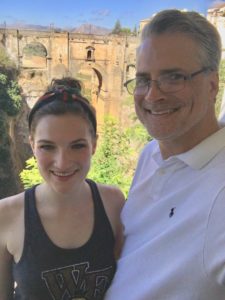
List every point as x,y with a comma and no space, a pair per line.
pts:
72,13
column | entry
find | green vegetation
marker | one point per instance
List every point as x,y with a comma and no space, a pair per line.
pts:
135,32
5,62
35,49
221,86
10,98
112,161
118,29
10,105
85,78
30,175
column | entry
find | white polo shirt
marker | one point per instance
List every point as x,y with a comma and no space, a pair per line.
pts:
174,222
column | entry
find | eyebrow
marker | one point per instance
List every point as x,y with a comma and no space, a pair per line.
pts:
162,72
50,142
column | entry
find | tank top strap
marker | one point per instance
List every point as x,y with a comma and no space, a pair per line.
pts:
102,223
33,227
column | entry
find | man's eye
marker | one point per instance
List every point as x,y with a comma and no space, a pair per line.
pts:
175,77
141,81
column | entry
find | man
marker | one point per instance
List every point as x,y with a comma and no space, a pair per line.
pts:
174,218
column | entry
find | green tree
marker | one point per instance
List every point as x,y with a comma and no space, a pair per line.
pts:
10,97
125,31
111,162
5,61
30,175
135,31
10,105
117,28
221,86
10,94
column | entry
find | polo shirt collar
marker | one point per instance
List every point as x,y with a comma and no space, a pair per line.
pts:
202,153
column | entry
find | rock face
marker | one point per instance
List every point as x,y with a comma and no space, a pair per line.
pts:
14,151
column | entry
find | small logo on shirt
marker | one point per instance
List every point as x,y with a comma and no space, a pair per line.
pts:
172,212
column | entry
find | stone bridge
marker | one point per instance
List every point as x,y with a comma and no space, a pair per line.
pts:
103,63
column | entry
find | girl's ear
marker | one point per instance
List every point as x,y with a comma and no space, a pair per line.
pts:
94,144
31,143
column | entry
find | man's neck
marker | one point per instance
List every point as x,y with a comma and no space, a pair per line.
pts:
170,148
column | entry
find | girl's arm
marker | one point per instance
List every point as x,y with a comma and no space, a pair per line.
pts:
114,200
6,259
6,279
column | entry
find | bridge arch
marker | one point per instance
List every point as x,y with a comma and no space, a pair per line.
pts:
34,55
94,78
95,81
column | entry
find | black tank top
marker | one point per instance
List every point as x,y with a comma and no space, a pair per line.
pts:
47,272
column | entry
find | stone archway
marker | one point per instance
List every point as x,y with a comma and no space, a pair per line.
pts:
94,81
34,55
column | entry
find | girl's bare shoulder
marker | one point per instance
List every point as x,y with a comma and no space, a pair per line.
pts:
111,195
10,208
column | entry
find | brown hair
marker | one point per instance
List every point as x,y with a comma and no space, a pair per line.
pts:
63,96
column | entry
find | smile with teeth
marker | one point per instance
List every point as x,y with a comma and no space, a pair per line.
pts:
63,174
162,112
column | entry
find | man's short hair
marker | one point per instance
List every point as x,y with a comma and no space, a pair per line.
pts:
193,25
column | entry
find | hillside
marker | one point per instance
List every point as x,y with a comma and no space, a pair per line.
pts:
84,28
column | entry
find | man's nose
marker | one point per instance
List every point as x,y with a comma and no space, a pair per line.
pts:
154,93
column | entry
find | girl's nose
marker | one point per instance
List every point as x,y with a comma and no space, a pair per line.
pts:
62,160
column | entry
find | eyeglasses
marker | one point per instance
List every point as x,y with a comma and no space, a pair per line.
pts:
166,83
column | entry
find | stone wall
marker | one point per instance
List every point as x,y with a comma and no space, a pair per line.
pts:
103,63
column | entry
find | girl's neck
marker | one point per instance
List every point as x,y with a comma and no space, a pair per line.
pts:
46,195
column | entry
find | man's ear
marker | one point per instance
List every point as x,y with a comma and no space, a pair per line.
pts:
214,84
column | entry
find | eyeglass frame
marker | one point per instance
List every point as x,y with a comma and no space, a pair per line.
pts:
186,77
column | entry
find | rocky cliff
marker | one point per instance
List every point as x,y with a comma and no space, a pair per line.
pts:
14,150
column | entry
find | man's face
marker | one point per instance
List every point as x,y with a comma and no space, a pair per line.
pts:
184,117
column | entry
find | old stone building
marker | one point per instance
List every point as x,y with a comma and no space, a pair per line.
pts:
103,63
216,15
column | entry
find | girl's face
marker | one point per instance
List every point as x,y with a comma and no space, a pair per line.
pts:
63,146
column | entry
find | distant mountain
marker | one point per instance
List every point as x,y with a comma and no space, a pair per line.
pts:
84,28
29,26
91,29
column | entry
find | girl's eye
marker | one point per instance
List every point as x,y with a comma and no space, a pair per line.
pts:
78,146
47,147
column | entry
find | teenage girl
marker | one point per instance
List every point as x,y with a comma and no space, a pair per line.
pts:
60,239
